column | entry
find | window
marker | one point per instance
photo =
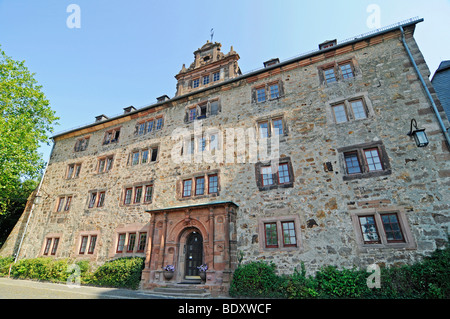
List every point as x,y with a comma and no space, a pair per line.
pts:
187,187
137,194
350,110
141,193
159,123
101,199
128,193
289,237
81,144
51,245
111,136
199,185
283,174
105,164
216,76
263,129
144,156
131,242
142,242
334,72
205,79
60,204
86,239
202,110
55,246
195,83
192,114
392,228
261,94
365,160
359,111
96,199
213,184
373,160
47,246
93,198
148,193
267,92
135,158
267,178
68,202
73,171
340,115
92,244
274,91
120,243
329,75
149,126
346,70
271,235
279,233
271,127
382,228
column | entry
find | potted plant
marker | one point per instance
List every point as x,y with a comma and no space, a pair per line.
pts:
169,271
202,269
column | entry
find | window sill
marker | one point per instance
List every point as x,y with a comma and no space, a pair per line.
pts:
198,196
276,186
367,175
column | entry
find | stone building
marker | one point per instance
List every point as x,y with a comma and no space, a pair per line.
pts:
306,160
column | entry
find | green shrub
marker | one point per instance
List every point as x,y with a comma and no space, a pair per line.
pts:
119,273
5,263
429,278
256,279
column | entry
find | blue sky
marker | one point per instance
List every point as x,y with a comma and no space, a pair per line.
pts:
128,52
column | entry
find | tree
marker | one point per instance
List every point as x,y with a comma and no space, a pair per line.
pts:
25,121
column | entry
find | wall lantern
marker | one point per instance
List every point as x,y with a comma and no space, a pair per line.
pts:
419,134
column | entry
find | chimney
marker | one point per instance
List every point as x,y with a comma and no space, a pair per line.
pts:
101,118
129,109
163,98
271,62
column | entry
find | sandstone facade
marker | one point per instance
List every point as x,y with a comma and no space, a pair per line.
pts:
317,209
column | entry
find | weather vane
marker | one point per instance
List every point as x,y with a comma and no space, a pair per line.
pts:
212,34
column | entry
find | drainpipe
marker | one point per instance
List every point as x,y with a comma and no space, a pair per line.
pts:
441,123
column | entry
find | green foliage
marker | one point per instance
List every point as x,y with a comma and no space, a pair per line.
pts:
120,273
256,279
429,278
25,120
5,262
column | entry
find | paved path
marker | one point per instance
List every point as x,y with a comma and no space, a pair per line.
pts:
28,289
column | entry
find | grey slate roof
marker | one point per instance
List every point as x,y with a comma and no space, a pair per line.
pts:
441,83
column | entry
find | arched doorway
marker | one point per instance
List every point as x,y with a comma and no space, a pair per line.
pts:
193,255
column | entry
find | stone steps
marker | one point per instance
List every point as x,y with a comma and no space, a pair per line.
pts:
180,291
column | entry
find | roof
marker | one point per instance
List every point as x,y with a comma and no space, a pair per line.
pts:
358,38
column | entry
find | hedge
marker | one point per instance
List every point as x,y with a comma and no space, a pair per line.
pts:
118,273
429,278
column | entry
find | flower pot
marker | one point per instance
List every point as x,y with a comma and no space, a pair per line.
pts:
168,275
203,275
